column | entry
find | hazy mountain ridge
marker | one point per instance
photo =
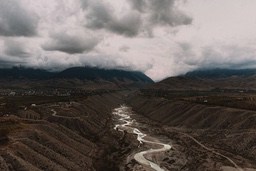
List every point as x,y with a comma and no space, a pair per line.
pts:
220,73
211,79
83,73
105,74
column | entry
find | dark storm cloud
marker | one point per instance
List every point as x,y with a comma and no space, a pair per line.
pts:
139,5
15,20
100,16
162,12
129,25
70,43
15,48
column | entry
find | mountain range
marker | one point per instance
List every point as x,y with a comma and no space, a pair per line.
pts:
83,73
76,77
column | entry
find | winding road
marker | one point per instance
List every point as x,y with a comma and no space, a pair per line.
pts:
123,112
54,113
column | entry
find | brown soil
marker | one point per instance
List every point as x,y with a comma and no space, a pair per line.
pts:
83,139
230,132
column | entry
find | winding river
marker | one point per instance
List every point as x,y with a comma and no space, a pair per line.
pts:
127,124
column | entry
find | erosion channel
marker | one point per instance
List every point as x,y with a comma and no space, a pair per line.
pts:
127,124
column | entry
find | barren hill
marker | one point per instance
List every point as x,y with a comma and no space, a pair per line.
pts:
210,80
75,135
213,109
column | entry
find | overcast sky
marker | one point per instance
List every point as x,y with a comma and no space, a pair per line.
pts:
161,38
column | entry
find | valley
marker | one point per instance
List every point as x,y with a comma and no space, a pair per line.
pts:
74,135
130,126
129,129
127,85
209,136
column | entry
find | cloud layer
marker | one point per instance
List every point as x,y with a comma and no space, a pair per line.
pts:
158,37
15,20
71,43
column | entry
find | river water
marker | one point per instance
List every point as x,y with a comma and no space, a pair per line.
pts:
126,123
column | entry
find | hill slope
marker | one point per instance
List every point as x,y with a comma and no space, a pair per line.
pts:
86,73
83,73
80,136
77,77
210,80
214,108
221,73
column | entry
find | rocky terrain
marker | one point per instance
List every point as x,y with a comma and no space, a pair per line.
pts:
79,137
184,126
63,120
209,129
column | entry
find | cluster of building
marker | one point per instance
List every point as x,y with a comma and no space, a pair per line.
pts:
35,92
50,92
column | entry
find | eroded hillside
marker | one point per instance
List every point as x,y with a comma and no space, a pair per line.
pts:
208,132
75,135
